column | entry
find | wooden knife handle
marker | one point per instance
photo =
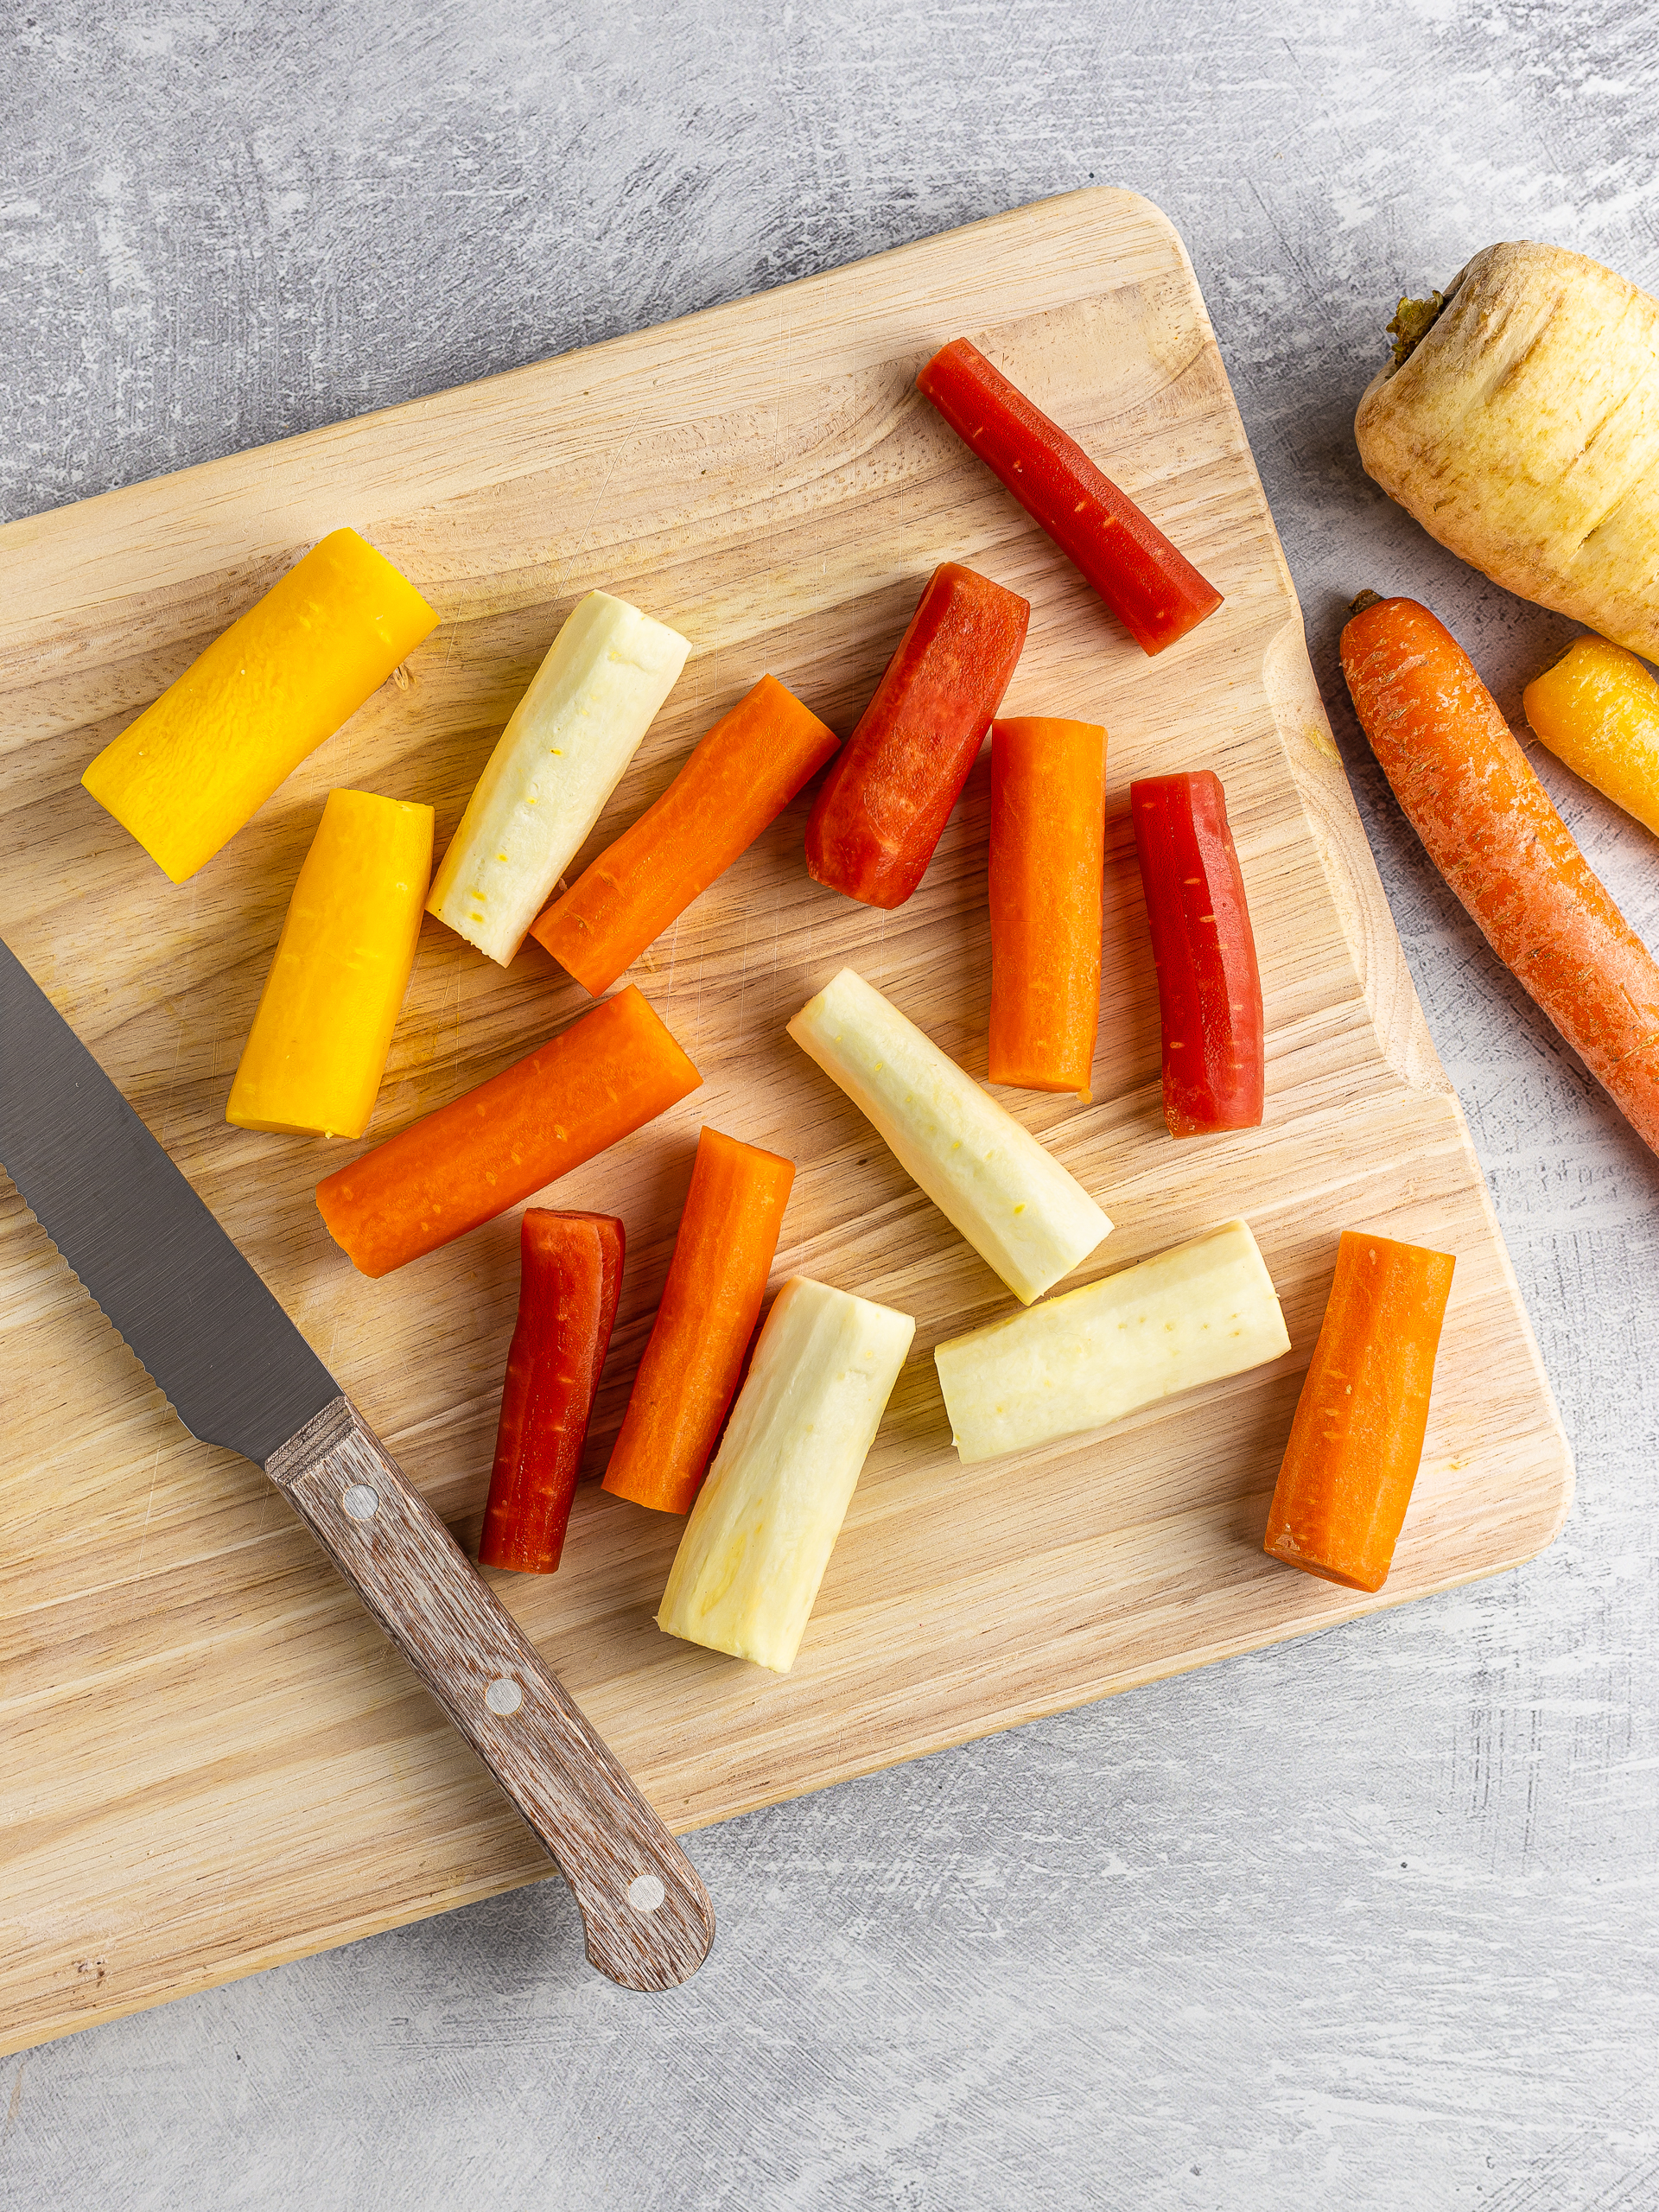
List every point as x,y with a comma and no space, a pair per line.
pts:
645,1913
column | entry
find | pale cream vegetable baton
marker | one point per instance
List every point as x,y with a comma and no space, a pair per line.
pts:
765,1521
1195,1313
554,765
1020,1211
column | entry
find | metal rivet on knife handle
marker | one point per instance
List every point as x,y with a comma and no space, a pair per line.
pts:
238,1373
575,1797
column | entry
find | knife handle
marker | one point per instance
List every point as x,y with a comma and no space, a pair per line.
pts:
646,1914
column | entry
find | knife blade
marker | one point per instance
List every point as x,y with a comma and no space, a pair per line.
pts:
238,1373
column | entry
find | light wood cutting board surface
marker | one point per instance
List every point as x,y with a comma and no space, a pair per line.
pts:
213,1762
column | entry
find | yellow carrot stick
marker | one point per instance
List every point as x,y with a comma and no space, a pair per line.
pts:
317,1049
207,755
1598,709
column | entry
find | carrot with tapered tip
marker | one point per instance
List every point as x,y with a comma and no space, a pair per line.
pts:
1489,827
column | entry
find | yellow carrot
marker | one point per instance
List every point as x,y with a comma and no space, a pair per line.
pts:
317,1049
1598,709
208,753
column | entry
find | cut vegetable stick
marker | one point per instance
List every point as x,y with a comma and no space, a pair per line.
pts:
317,1049
1598,709
1490,829
571,1278
1154,591
884,804
1203,950
741,778
1020,1211
195,766
586,1089
554,765
1358,1438
1195,1313
765,1522
711,1301
1048,840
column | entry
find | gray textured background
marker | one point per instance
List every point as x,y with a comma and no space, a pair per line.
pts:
1370,1920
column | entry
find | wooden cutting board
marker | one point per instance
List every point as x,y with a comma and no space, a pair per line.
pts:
213,1762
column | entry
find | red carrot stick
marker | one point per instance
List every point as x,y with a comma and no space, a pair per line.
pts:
1154,591
570,1277
738,779
596,1082
1209,987
884,803
1048,836
1488,824
692,1366
1358,1438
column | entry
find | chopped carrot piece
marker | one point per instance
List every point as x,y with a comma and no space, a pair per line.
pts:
1153,589
1204,949
204,758
570,1277
1048,840
883,806
318,1046
1486,820
740,777
596,1082
711,1301
1358,1438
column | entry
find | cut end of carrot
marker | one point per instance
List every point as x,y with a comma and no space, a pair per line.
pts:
635,1484
517,1557
1286,1552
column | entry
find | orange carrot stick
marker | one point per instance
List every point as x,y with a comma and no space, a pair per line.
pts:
597,1081
1487,822
1357,1437
740,777
692,1366
1048,840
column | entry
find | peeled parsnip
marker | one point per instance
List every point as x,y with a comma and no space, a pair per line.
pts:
1020,1211
556,762
1198,1312
765,1521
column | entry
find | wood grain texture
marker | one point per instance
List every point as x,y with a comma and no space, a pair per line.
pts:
565,1785
220,1766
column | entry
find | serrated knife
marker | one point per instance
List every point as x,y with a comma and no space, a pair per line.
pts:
238,1373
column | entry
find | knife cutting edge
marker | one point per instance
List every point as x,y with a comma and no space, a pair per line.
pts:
240,1373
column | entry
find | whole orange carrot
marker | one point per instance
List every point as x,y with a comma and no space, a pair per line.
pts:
740,777
1048,839
1488,826
1356,1440
596,1082
692,1366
